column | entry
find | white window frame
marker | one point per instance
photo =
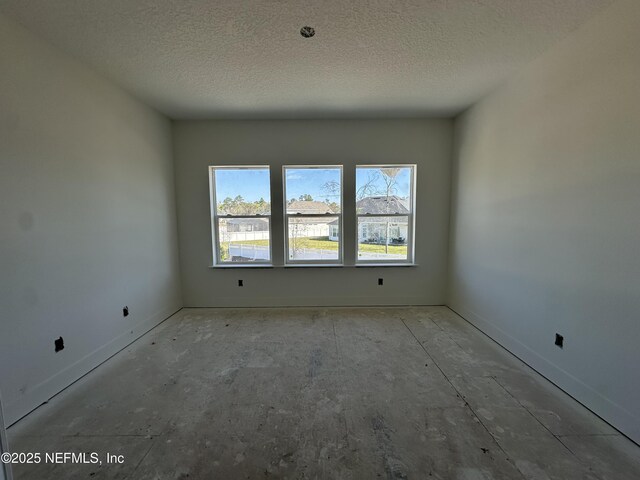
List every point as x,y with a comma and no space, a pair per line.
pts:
340,260
215,218
410,260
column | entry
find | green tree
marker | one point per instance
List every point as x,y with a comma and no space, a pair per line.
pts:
226,206
261,206
238,206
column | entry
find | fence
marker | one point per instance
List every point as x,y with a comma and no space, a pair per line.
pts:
255,252
244,236
314,254
381,256
308,230
297,230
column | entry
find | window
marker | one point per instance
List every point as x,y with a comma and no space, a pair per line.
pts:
385,196
313,218
241,214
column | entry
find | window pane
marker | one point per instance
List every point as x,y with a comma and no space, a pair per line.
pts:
383,238
244,239
313,190
383,190
313,238
242,191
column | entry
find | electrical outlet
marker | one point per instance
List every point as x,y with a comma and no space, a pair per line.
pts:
125,311
58,344
241,283
559,340
380,281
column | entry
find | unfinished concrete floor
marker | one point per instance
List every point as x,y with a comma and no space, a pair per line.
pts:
333,393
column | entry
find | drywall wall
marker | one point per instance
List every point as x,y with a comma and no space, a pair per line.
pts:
88,219
198,144
545,230
5,468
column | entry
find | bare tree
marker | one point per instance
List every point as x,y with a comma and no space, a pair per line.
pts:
225,240
368,188
297,231
331,190
294,233
390,184
380,182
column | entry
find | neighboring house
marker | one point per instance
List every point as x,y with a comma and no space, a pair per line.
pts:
379,229
371,229
246,224
334,231
305,226
382,205
308,207
374,230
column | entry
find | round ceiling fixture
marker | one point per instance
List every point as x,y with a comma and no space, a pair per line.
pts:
307,32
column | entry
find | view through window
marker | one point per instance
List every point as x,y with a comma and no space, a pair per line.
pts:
241,206
313,214
384,208
241,214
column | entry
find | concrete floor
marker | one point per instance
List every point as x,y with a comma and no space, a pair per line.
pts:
335,393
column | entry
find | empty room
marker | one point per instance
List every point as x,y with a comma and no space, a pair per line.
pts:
283,239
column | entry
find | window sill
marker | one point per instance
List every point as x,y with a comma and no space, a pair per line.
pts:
377,265
243,265
315,265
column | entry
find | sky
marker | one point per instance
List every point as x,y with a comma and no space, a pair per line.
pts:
311,181
252,184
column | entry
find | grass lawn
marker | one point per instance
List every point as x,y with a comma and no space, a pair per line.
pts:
323,243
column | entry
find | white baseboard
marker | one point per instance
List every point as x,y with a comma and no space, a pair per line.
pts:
42,392
270,302
602,406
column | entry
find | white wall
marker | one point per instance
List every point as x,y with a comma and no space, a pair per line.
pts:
198,144
546,230
5,468
88,219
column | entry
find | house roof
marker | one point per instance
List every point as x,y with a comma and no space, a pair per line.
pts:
382,204
308,207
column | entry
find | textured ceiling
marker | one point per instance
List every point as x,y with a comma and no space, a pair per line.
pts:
237,58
